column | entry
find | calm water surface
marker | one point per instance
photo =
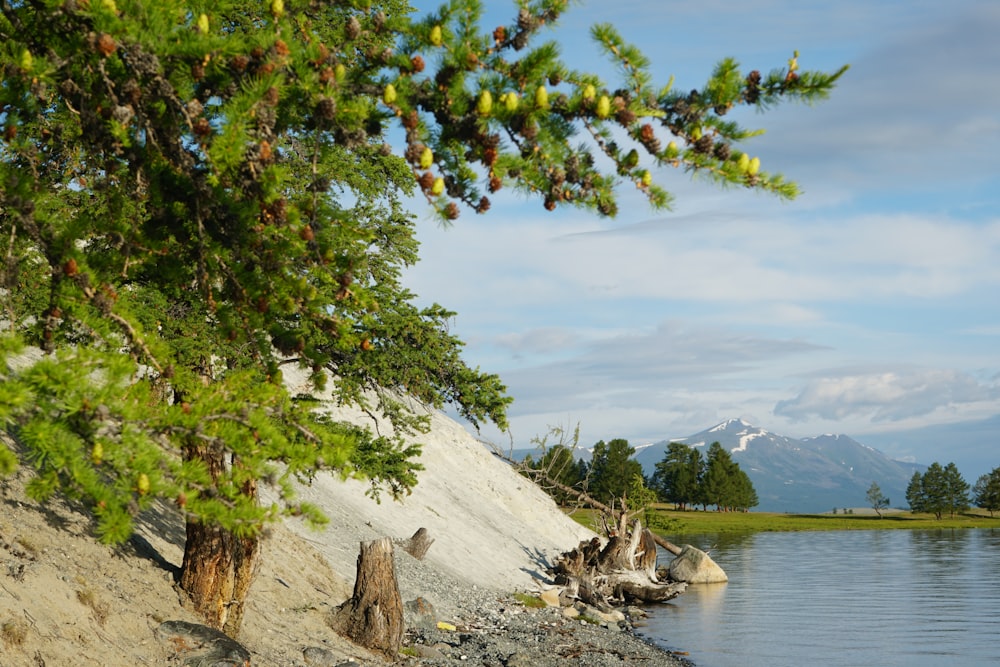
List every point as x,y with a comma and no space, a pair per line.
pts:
841,599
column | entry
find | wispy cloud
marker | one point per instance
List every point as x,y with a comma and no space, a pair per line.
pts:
867,304
889,395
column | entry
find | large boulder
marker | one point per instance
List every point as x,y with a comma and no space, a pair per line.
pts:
695,567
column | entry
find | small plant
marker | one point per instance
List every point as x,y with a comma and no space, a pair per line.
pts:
13,631
28,545
89,599
530,601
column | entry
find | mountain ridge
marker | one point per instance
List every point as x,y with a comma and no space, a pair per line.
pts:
802,475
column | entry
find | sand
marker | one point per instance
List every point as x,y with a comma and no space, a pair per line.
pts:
67,600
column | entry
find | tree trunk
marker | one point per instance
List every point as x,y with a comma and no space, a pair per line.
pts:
669,546
373,616
418,544
218,566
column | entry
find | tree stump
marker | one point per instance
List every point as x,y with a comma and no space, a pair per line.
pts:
373,616
418,544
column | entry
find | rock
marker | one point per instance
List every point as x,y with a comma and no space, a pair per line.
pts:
315,656
695,567
520,660
609,618
202,646
419,613
551,597
428,652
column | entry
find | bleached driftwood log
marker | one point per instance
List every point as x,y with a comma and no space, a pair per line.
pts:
621,571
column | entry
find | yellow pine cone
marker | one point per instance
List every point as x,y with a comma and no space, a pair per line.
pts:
426,158
542,98
389,94
603,107
485,104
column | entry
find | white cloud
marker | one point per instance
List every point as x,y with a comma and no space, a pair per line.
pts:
888,396
657,326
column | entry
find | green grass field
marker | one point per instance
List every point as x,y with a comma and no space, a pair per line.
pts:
668,521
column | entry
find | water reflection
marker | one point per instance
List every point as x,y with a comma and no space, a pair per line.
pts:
847,598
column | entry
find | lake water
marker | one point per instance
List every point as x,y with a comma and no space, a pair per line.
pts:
875,598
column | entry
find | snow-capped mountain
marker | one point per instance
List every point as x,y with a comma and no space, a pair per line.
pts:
799,475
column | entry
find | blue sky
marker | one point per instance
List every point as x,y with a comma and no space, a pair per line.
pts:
868,306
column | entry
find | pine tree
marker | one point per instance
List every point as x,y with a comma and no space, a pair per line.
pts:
957,489
717,482
678,475
915,493
559,465
613,470
724,484
194,197
745,497
934,488
986,492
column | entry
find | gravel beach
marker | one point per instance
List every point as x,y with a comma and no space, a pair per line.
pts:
494,629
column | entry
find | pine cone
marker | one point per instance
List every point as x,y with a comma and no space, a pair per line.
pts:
704,144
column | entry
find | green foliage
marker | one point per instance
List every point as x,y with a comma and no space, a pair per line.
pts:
193,198
876,500
530,601
724,484
678,476
938,490
557,469
700,523
915,492
613,470
986,492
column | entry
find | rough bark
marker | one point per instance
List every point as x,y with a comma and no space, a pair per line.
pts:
373,616
218,566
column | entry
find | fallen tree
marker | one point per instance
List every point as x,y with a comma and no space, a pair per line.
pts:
622,568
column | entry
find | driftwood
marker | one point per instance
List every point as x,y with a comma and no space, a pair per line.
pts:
621,571
373,616
668,546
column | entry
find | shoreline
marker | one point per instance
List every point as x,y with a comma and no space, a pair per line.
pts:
493,628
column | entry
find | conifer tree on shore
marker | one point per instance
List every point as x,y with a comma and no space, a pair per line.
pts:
194,196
